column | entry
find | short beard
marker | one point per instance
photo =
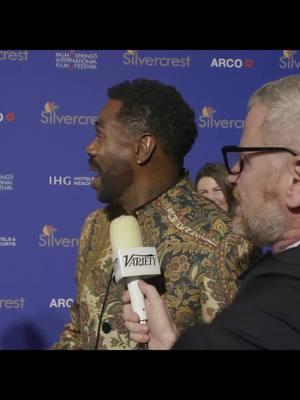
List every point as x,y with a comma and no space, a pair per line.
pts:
265,228
114,184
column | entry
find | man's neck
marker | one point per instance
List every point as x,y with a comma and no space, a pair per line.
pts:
290,237
148,188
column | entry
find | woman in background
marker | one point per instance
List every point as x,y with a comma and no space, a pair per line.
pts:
211,183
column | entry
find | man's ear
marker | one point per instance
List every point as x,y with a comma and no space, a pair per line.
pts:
144,148
293,192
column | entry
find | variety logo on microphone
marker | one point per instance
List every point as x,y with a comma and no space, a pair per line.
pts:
290,59
51,117
74,60
139,260
207,120
134,58
48,239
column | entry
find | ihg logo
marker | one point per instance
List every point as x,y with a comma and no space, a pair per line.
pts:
70,181
60,180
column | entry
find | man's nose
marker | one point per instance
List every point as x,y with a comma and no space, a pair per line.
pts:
91,149
236,193
232,179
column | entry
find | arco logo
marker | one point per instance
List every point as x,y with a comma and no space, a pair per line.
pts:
232,63
9,117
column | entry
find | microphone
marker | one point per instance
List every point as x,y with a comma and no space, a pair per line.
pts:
131,259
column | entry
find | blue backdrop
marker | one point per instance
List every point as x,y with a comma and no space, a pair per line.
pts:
48,105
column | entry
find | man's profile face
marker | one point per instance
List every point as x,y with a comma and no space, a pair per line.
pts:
259,214
110,154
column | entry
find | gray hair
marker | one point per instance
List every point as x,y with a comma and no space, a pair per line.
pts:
282,122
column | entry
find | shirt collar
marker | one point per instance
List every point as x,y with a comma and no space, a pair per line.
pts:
184,183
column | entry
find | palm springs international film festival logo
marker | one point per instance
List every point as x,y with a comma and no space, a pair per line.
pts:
49,238
53,117
134,58
290,59
6,182
207,119
75,60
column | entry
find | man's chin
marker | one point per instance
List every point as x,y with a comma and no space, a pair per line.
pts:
104,197
243,229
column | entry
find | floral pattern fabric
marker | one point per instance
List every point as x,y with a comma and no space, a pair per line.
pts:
200,258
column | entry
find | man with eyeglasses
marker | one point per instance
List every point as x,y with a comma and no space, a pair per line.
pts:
265,172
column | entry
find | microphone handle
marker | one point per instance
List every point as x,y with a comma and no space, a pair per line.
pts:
137,298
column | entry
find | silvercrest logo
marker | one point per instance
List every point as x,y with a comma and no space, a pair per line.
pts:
139,260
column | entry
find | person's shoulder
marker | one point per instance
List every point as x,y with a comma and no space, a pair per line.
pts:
201,215
264,285
94,215
215,218
96,225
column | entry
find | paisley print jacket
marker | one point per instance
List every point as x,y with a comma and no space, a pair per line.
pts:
200,258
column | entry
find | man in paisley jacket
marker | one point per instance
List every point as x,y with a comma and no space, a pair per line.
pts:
142,136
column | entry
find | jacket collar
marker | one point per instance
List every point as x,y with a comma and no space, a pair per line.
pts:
286,262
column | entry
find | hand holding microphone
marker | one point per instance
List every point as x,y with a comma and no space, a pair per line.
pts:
131,260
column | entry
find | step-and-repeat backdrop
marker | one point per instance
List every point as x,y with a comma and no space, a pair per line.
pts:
48,105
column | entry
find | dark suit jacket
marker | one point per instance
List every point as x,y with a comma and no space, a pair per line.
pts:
264,315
